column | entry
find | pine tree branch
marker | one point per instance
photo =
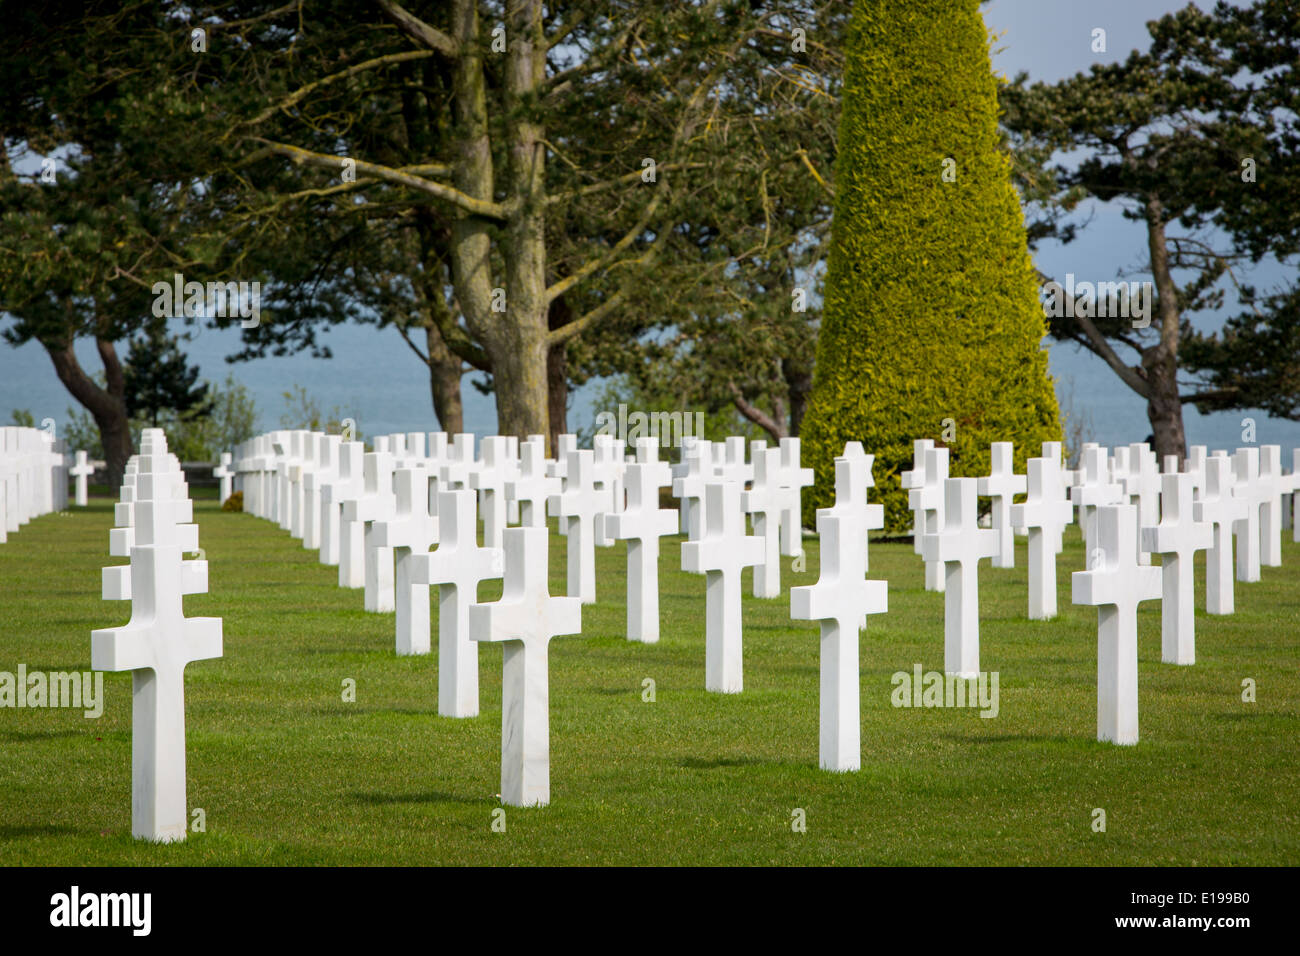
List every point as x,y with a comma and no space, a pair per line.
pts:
559,336
478,207
299,94
418,30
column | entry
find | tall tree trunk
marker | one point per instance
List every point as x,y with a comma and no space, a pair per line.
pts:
799,386
557,373
107,406
445,371
520,355
515,341
1164,408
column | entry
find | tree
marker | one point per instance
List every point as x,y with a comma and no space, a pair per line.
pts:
87,103
1196,140
158,379
231,419
931,325
551,149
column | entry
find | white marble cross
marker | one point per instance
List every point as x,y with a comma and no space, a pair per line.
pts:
577,507
926,499
840,600
224,472
1194,465
494,471
1045,513
1246,489
512,474
733,466
314,479
1143,487
1092,489
1271,485
342,540
410,531
1002,484
1177,537
82,470
694,472
294,468
558,466
792,480
607,469
722,552
960,545
1116,583
457,567
459,463
642,523
1220,509
524,621
1293,481
763,503
533,486
155,646
376,503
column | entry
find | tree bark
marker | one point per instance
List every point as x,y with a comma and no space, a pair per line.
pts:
557,373
799,384
107,406
520,349
1164,407
445,370
774,425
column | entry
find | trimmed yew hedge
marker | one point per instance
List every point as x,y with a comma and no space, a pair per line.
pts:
931,302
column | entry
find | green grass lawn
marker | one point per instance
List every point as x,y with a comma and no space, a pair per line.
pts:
287,773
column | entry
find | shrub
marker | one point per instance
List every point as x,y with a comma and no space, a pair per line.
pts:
932,325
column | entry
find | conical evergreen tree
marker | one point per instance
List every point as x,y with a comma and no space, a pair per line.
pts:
932,325
158,379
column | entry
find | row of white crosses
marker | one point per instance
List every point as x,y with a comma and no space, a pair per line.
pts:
599,496
1203,508
433,503
1175,514
710,485
155,530
416,502
33,476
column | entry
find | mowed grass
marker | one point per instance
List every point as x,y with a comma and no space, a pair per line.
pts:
287,773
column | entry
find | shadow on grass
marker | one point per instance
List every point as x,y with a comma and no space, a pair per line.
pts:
15,737
26,833
1016,739
701,763
430,796
353,710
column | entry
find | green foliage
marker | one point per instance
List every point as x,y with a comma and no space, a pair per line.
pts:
1195,138
641,394
160,381
82,434
231,419
23,418
234,503
303,410
932,324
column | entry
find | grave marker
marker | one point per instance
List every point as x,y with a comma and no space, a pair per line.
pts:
524,621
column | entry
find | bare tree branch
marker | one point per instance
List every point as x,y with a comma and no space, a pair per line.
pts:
418,30
478,207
